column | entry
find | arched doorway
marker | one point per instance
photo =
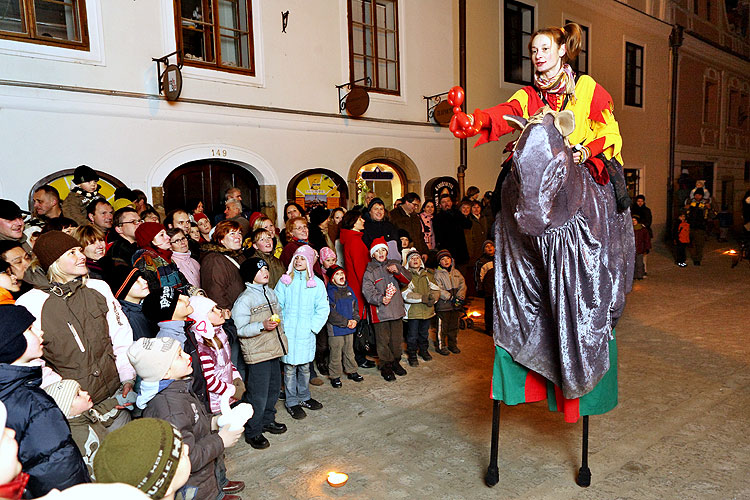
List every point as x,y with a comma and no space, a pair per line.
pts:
207,180
318,186
63,182
406,177
384,180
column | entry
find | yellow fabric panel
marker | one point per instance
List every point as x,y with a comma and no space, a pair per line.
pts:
523,99
588,130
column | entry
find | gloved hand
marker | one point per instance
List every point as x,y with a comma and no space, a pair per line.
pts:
239,388
430,300
461,124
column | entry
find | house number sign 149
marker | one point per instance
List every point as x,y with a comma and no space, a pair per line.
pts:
218,152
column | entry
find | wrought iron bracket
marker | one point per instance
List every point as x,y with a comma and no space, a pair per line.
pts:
349,86
432,101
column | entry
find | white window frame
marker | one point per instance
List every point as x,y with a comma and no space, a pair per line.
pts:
94,55
169,38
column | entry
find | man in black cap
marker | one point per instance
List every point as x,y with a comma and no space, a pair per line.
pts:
83,193
11,223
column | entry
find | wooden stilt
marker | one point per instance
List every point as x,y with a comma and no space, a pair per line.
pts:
584,474
492,476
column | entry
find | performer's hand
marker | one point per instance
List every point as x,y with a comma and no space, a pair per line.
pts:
461,124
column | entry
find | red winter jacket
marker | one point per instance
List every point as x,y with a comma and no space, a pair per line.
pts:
356,258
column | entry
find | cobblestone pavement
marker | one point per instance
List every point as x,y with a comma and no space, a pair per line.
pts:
681,430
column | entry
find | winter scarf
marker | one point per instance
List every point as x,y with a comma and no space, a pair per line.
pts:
188,266
562,83
429,234
87,197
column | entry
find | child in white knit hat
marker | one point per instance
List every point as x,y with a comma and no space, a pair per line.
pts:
87,425
162,361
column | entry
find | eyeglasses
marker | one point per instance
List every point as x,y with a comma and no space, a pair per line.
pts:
179,240
136,222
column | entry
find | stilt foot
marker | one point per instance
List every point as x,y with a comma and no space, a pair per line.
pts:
584,477
492,477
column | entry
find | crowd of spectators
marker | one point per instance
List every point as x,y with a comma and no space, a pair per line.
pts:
126,332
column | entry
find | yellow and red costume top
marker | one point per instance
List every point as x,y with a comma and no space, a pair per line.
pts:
595,126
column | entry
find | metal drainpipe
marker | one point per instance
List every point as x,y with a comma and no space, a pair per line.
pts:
675,42
460,175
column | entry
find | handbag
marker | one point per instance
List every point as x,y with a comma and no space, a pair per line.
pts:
364,338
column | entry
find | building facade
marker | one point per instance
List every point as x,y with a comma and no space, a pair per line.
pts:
712,101
259,105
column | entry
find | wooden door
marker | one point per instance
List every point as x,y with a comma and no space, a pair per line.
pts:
207,180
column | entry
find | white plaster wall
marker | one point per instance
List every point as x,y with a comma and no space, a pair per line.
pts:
140,140
300,68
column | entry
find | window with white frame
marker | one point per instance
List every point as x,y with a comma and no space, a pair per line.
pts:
48,22
216,34
373,44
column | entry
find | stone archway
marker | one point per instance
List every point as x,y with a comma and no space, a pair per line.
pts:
412,180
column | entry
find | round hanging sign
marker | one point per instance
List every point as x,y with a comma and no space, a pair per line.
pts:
443,113
171,82
357,102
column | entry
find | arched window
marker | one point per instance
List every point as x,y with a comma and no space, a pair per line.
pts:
318,186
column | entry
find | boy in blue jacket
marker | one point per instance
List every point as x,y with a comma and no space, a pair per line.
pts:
46,448
342,323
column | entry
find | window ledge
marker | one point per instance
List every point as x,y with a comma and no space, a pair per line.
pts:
216,75
389,98
94,55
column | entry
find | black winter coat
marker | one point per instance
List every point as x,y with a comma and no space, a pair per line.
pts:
46,448
377,228
449,233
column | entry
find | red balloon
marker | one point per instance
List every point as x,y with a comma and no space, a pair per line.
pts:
456,96
463,120
455,128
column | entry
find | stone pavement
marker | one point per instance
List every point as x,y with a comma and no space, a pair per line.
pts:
681,430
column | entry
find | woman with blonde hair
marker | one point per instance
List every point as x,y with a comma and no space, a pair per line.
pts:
86,333
266,223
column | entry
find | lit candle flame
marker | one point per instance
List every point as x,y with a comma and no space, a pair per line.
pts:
337,479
